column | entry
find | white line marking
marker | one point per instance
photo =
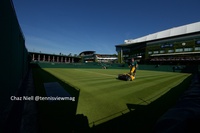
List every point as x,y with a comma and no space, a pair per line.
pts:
97,73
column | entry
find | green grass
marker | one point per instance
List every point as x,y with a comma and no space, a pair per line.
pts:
106,101
103,97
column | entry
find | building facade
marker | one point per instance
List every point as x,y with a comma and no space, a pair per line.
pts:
91,56
44,57
178,45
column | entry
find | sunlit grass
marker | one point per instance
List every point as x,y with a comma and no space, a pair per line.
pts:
103,97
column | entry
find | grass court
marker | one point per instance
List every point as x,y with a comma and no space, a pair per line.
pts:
102,97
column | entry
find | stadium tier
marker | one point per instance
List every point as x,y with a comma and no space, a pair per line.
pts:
44,57
85,56
179,45
91,56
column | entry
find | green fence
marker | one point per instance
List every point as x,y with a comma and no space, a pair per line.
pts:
73,65
167,68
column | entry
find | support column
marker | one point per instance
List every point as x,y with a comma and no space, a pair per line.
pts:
53,59
43,57
57,59
33,58
61,59
38,57
49,58
120,56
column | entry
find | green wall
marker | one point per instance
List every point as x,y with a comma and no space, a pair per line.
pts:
14,55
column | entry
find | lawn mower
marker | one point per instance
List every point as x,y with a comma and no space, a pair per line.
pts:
131,75
126,77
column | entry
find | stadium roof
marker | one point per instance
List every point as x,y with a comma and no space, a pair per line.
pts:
176,31
87,52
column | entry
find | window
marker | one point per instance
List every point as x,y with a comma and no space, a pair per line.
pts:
167,45
188,49
155,52
162,51
179,50
170,51
197,48
125,55
198,42
150,52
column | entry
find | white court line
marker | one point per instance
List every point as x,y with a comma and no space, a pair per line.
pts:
110,75
97,73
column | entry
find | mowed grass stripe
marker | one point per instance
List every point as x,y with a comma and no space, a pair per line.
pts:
69,76
110,84
104,85
100,73
154,79
94,73
151,91
116,97
72,74
94,78
103,77
126,89
102,95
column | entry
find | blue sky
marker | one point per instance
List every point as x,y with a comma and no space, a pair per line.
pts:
73,26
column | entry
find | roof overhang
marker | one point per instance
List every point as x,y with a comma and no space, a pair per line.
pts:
169,33
181,53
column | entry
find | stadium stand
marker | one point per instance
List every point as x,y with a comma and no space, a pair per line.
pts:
91,56
178,45
45,57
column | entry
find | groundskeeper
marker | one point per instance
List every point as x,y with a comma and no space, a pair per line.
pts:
133,66
131,75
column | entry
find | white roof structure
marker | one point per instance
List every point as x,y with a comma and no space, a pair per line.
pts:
176,31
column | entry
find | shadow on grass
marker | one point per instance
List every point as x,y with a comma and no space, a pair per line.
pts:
142,118
57,116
